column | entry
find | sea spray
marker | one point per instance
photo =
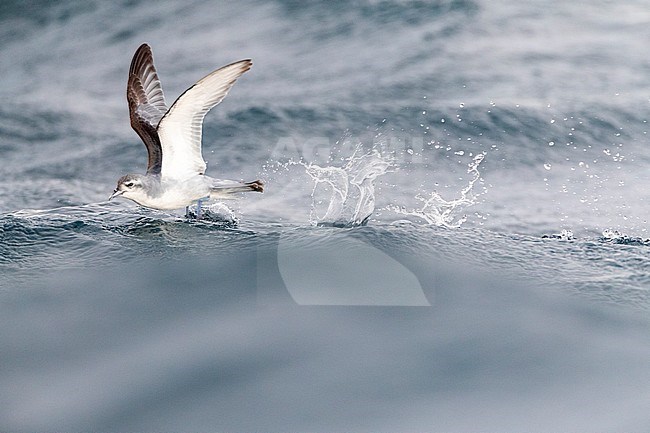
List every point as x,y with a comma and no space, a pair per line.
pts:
214,212
345,196
435,210
341,190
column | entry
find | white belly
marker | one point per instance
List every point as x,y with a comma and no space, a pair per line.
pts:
178,194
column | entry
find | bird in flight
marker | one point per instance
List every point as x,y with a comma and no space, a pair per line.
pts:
175,176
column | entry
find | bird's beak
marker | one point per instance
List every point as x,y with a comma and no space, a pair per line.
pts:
116,193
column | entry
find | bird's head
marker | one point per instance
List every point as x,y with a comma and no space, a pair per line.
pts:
130,186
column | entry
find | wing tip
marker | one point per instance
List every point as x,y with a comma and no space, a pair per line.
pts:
245,64
143,55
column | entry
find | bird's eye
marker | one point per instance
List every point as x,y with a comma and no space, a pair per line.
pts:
129,185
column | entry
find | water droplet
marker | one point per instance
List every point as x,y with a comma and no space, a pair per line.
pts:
551,143
409,151
552,120
424,112
462,105
547,166
442,120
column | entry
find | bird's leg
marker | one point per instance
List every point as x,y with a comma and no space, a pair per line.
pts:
198,208
187,211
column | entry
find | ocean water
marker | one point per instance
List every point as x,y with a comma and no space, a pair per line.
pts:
453,236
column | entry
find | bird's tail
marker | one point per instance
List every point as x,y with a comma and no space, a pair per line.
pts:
224,188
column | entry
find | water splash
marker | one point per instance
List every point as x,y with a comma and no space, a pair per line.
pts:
564,235
216,212
616,237
437,211
345,196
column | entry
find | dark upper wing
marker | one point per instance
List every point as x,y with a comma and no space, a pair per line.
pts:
146,104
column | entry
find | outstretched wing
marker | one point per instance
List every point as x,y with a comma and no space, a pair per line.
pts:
146,104
181,127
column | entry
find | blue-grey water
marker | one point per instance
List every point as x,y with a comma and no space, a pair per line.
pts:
453,236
